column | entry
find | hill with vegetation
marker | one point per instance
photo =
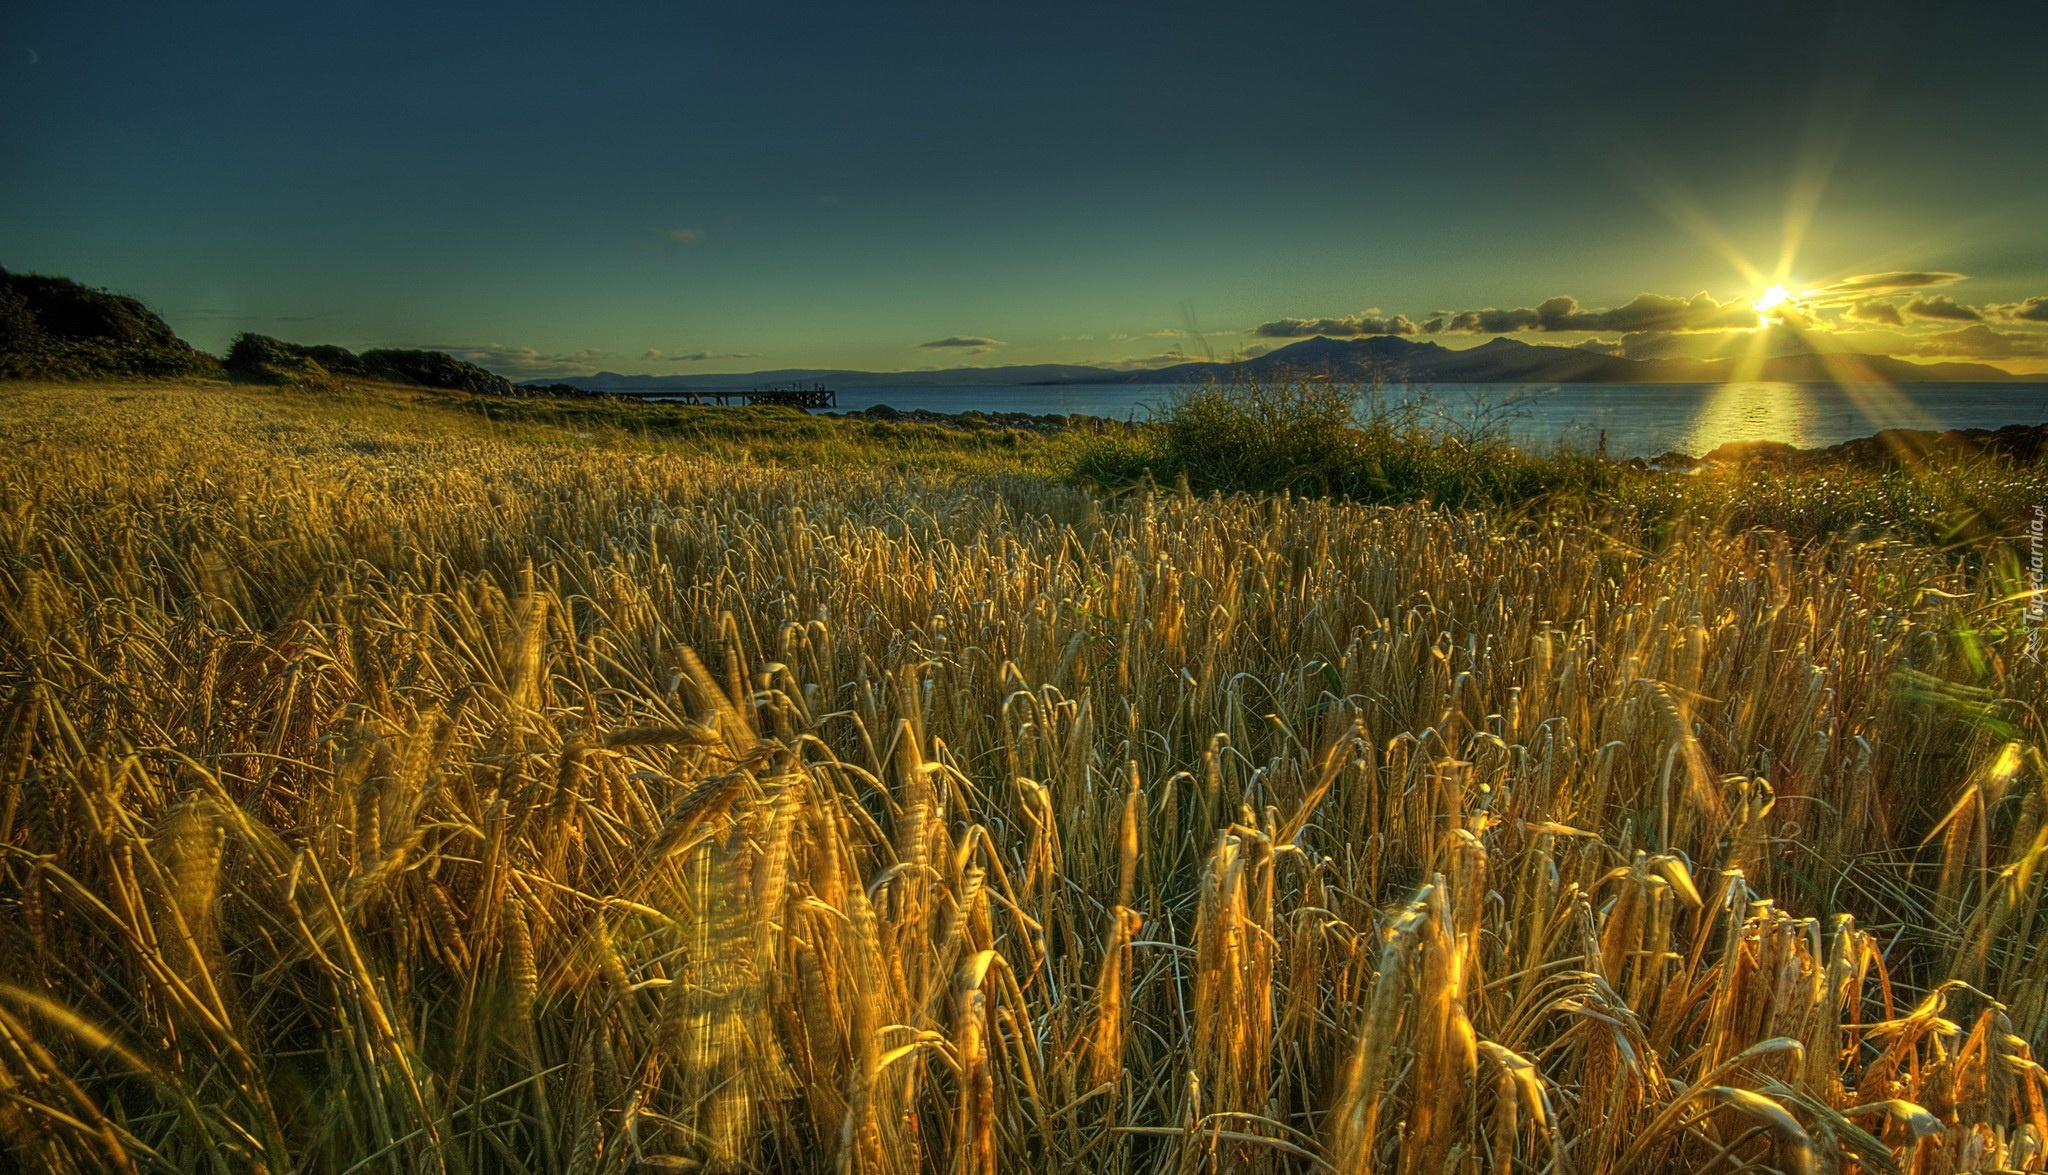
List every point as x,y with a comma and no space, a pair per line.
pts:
263,358
53,328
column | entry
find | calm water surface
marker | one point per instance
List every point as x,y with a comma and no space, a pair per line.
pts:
1638,419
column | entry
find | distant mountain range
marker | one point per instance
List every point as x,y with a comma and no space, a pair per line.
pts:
1503,360
1506,360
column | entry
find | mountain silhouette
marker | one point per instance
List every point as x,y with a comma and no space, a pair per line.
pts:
1396,359
1506,360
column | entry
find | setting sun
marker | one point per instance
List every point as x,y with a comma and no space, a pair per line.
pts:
1768,303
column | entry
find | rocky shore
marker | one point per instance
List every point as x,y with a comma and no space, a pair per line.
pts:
1891,448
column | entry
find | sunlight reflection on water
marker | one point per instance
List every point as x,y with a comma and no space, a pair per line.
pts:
1754,412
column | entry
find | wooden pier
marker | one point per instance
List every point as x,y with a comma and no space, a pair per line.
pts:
792,396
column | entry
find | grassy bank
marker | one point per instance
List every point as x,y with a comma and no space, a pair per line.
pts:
1362,443
306,420
403,782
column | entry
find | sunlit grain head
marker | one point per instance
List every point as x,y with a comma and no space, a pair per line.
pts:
1211,832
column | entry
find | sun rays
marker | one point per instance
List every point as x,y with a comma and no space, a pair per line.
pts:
1793,319
1769,303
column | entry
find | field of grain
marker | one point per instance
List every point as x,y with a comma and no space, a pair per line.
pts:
385,790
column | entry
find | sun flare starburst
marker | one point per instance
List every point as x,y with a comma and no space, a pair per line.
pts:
1771,304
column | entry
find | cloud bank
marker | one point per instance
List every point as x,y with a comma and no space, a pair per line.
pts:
1877,311
655,356
1871,284
1645,312
526,362
1888,313
1369,322
972,344
2030,310
1978,341
1942,307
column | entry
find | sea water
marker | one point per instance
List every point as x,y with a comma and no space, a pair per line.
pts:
1630,419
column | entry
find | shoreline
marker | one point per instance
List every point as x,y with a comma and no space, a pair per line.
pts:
2022,443
1885,448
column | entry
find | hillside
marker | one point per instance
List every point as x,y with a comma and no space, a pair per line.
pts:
271,360
55,328
1507,360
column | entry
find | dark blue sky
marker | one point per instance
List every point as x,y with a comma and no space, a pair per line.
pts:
554,189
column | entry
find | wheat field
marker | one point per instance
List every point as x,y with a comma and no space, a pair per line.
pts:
386,791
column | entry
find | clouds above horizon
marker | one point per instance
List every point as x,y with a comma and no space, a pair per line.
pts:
1368,322
525,362
1865,285
1978,341
1645,312
2030,310
1879,313
1942,308
972,344
529,363
657,356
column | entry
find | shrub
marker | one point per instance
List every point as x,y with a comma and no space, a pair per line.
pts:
1309,436
1297,435
276,361
435,369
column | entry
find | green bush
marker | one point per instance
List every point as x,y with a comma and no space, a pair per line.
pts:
1297,436
1326,438
435,369
276,361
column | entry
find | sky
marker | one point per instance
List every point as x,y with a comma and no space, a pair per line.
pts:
680,188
